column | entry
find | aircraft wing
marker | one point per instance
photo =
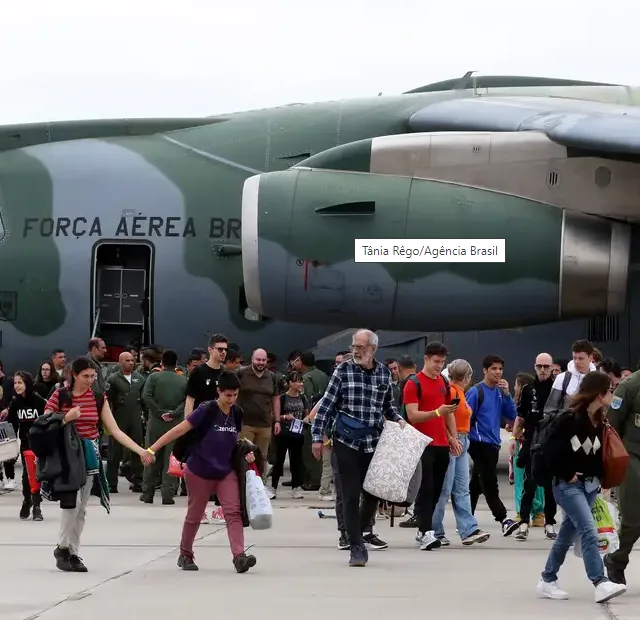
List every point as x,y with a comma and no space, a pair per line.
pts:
29,134
611,130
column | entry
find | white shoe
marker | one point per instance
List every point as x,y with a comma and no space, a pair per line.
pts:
217,516
205,520
270,492
296,494
551,590
429,541
10,485
606,590
327,497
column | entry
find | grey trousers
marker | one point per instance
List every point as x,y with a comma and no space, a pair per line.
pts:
73,520
337,483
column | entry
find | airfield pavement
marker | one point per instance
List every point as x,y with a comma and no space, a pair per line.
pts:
131,555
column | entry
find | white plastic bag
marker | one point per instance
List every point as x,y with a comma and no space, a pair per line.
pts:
394,462
605,515
259,509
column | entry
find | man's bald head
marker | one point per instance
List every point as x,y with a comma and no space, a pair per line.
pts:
544,363
259,360
126,361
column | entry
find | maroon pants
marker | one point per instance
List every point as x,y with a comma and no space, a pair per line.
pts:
200,490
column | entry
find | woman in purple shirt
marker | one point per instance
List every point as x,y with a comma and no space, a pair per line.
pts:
210,470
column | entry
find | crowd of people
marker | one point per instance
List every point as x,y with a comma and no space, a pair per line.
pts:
142,408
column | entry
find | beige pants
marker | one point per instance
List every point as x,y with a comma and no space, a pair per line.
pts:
73,519
327,471
261,436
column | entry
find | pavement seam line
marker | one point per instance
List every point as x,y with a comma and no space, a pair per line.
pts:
609,612
82,594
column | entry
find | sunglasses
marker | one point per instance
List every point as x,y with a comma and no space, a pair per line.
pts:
543,366
221,349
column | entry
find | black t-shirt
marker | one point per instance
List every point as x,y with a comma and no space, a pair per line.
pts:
202,384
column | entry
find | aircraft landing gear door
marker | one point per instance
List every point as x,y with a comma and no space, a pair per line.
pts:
121,295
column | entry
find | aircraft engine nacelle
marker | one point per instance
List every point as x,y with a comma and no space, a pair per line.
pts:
298,232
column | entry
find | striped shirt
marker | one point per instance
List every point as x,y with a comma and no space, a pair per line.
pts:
87,423
365,395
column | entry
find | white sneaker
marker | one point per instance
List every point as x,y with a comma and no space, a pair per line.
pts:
429,541
296,494
327,497
551,590
270,492
10,485
217,516
606,590
205,520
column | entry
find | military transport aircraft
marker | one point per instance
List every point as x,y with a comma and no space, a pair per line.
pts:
164,230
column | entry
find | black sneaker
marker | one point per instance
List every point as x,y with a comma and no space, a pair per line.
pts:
77,565
343,543
25,511
186,563
244,562
63,559
615,574
509,526
37,513
371,541
411,522
358,556
146,500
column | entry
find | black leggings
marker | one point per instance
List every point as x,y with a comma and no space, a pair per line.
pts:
9,469
292,444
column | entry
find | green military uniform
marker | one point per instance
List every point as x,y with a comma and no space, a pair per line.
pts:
315,382
163,392
624,414
125,399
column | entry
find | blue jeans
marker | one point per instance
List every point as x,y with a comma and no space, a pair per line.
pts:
456,486
576,502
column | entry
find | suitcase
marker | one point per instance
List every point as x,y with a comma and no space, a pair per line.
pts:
9,443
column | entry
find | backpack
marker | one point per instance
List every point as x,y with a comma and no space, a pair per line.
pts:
539,450
414,379
565,384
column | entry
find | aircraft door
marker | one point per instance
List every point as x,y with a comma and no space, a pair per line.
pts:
121,294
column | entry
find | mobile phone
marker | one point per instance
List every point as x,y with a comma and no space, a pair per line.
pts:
455,401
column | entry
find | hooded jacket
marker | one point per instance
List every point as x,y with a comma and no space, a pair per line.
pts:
563,387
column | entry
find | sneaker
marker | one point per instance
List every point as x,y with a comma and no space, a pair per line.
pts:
37,513
271,493
444,541
550,532
429,542
509,526
217,516
411,522
382,516
343,543
25,511
523,532
477,537
186,563
551,590
606,590
77,565
327,497
371,541
10,484
146,500
615,574
244,562
63,558
296,494
205,520
358,556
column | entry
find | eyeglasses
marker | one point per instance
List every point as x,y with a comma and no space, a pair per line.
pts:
359,347
221,349
543,366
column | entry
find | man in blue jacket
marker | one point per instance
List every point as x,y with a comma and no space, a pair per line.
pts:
490,402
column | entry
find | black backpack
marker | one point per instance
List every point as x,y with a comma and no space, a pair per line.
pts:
540,447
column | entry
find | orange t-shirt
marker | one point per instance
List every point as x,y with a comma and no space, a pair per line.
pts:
463,412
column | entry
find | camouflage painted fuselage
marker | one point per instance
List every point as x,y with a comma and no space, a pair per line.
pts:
181,192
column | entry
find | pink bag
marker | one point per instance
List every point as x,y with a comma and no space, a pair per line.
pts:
176,469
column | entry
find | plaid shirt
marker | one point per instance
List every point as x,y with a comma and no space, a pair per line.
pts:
366,396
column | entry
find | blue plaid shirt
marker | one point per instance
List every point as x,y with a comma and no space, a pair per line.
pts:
365,395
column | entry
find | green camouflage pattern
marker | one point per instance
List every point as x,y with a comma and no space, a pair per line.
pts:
64,188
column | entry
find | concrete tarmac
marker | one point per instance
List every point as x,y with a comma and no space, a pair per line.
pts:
131,555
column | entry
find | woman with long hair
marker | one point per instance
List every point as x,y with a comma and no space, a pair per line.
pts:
47,379
575,464
81,409
24,409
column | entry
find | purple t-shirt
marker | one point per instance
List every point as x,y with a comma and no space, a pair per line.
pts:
211,457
